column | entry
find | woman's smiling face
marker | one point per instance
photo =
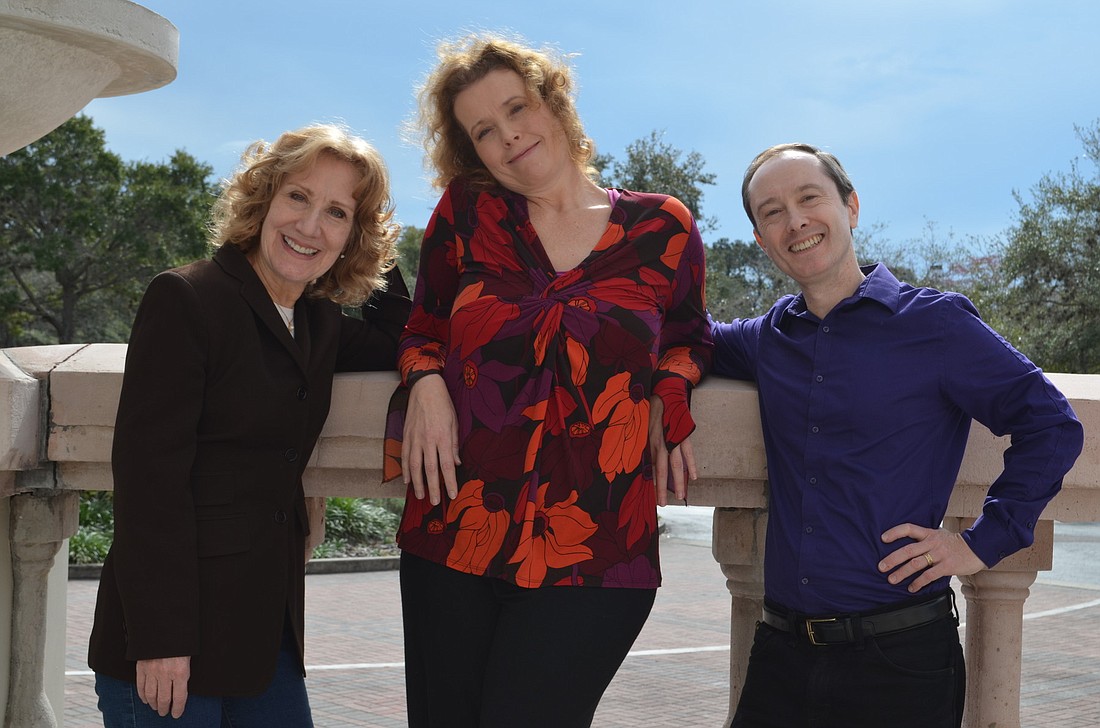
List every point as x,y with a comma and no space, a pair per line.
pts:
306,228
517,138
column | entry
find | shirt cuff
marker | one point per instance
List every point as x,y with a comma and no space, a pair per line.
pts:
416,362
992,541
676,421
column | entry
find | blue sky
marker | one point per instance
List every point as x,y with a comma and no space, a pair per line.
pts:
939,109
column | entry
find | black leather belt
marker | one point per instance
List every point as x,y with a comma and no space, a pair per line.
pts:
851,628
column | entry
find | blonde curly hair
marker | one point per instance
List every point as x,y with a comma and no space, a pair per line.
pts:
240,209
467,60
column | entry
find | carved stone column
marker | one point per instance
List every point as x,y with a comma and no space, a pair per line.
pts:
994,629
39,524
738,545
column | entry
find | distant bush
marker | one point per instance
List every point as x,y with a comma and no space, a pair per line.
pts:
353,526
90,543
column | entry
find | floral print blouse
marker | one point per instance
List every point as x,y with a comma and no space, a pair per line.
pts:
551,374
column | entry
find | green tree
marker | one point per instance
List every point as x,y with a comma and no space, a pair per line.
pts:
408,253
742,281
1051,267
653,165
81,234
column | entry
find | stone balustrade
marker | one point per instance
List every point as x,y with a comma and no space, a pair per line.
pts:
55,440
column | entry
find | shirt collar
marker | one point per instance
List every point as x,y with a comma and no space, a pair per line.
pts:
878,285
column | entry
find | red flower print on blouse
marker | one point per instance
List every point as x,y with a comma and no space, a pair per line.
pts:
480,317
427,358
482,525
638,511
550,537
578,361
551,375
627,413
479,395
678,361
490,243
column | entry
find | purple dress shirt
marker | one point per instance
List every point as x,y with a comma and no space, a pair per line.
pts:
866,415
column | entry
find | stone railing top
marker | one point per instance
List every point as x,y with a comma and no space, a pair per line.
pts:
84,384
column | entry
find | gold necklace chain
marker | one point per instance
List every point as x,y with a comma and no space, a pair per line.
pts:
288,319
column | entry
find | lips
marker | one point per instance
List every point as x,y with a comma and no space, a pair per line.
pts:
298,248
523,154
807,243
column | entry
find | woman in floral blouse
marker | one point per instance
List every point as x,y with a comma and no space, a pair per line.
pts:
553,321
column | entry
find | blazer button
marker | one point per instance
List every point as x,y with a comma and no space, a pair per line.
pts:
280,517
291,455
302,392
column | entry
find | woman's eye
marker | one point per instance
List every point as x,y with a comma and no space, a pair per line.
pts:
296,196
338,213
482,133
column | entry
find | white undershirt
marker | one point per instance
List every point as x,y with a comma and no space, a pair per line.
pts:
287,314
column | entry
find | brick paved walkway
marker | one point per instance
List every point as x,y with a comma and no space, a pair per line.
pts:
676,675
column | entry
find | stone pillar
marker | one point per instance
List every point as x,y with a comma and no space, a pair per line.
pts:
39,525
994,629
738,545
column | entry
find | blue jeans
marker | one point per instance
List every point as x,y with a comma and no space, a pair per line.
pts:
284,703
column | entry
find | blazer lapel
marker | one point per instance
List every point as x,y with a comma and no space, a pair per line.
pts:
234,262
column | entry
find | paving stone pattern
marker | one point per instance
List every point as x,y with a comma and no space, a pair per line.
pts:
678,679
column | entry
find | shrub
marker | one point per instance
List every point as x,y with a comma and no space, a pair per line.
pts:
357,521
349,523
92,540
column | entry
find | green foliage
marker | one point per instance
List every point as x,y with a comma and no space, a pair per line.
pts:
88,546
654,165
92,540
742,282
349,523
1051,267
81,234
357,521
408,254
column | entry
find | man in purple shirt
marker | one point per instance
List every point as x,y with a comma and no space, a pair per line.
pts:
867,390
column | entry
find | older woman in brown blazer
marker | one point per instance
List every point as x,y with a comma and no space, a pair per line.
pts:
227,384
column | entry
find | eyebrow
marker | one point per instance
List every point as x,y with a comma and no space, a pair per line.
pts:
506,102
802,188
309,190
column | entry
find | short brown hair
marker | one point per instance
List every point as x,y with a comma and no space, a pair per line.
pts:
832,166
466,61
245,199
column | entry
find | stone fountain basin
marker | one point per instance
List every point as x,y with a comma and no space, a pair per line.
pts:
57,55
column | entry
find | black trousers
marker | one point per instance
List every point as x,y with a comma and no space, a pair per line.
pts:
483,653
910,679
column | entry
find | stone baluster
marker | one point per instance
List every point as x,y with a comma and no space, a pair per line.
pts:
994,629
738,545
39,524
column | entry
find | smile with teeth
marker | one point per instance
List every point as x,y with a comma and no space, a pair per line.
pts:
806,244
298,248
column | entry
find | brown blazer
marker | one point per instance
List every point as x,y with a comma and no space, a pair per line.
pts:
219,413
